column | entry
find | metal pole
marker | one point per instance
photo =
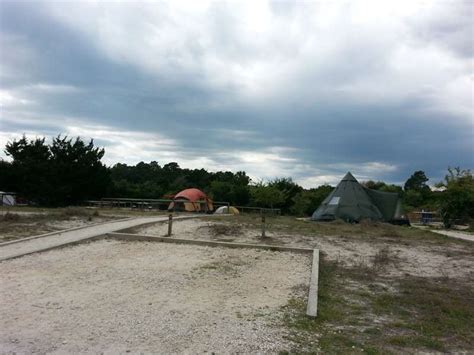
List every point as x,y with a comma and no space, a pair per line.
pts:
170,224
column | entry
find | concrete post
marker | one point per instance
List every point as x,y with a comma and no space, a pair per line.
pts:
312,308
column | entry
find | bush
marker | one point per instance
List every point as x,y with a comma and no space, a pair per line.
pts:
457,202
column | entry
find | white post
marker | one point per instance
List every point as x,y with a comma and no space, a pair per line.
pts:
312,309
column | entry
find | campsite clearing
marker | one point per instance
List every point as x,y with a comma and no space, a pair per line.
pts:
23,222
17,223
383,288
142,297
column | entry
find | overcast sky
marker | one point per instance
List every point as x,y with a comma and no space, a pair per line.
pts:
302,89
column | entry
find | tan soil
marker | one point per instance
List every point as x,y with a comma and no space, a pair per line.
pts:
112,297
25,227
448,260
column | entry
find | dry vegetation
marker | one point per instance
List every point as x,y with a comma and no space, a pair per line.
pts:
365,230
22,223
361,310
383,288
376,297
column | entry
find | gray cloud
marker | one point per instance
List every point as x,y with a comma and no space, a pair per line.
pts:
449,24
307,90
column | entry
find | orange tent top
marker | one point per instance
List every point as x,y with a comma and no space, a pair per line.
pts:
191,195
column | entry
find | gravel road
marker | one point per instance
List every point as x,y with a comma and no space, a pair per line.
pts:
116,297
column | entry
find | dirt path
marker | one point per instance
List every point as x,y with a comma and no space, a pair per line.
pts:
458,235
32,245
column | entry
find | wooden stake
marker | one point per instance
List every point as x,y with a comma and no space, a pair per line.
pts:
170,224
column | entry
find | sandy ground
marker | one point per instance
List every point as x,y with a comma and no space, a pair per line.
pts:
449,260
26,228
32,245
455,234
22,213
110,296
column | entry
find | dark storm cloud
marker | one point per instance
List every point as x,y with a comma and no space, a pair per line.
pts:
309,102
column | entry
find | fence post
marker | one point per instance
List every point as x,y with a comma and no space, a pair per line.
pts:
263,226
312,307
170,224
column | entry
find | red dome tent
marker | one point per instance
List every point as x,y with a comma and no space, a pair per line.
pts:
191,200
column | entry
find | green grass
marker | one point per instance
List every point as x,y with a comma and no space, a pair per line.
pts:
383,232
361,309
435,310
421,314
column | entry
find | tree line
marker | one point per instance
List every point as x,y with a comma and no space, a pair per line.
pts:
69,171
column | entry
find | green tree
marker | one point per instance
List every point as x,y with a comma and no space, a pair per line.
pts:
77,171
65,172
222,191
417,182
457,201
417,192
241,195
7,178
289,189
150,180
237,195
392,188
382,186
374,185
307,201
31,168
266,196
413,198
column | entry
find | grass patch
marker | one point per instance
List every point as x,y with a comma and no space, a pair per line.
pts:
384,258
219,229
305,331
382,232
375,315
414,342
10,217
76,212
20,223
231,265
437,311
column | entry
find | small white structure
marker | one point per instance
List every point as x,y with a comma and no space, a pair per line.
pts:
7,198
227,210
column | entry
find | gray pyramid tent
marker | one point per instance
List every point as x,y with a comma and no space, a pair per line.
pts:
352,202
